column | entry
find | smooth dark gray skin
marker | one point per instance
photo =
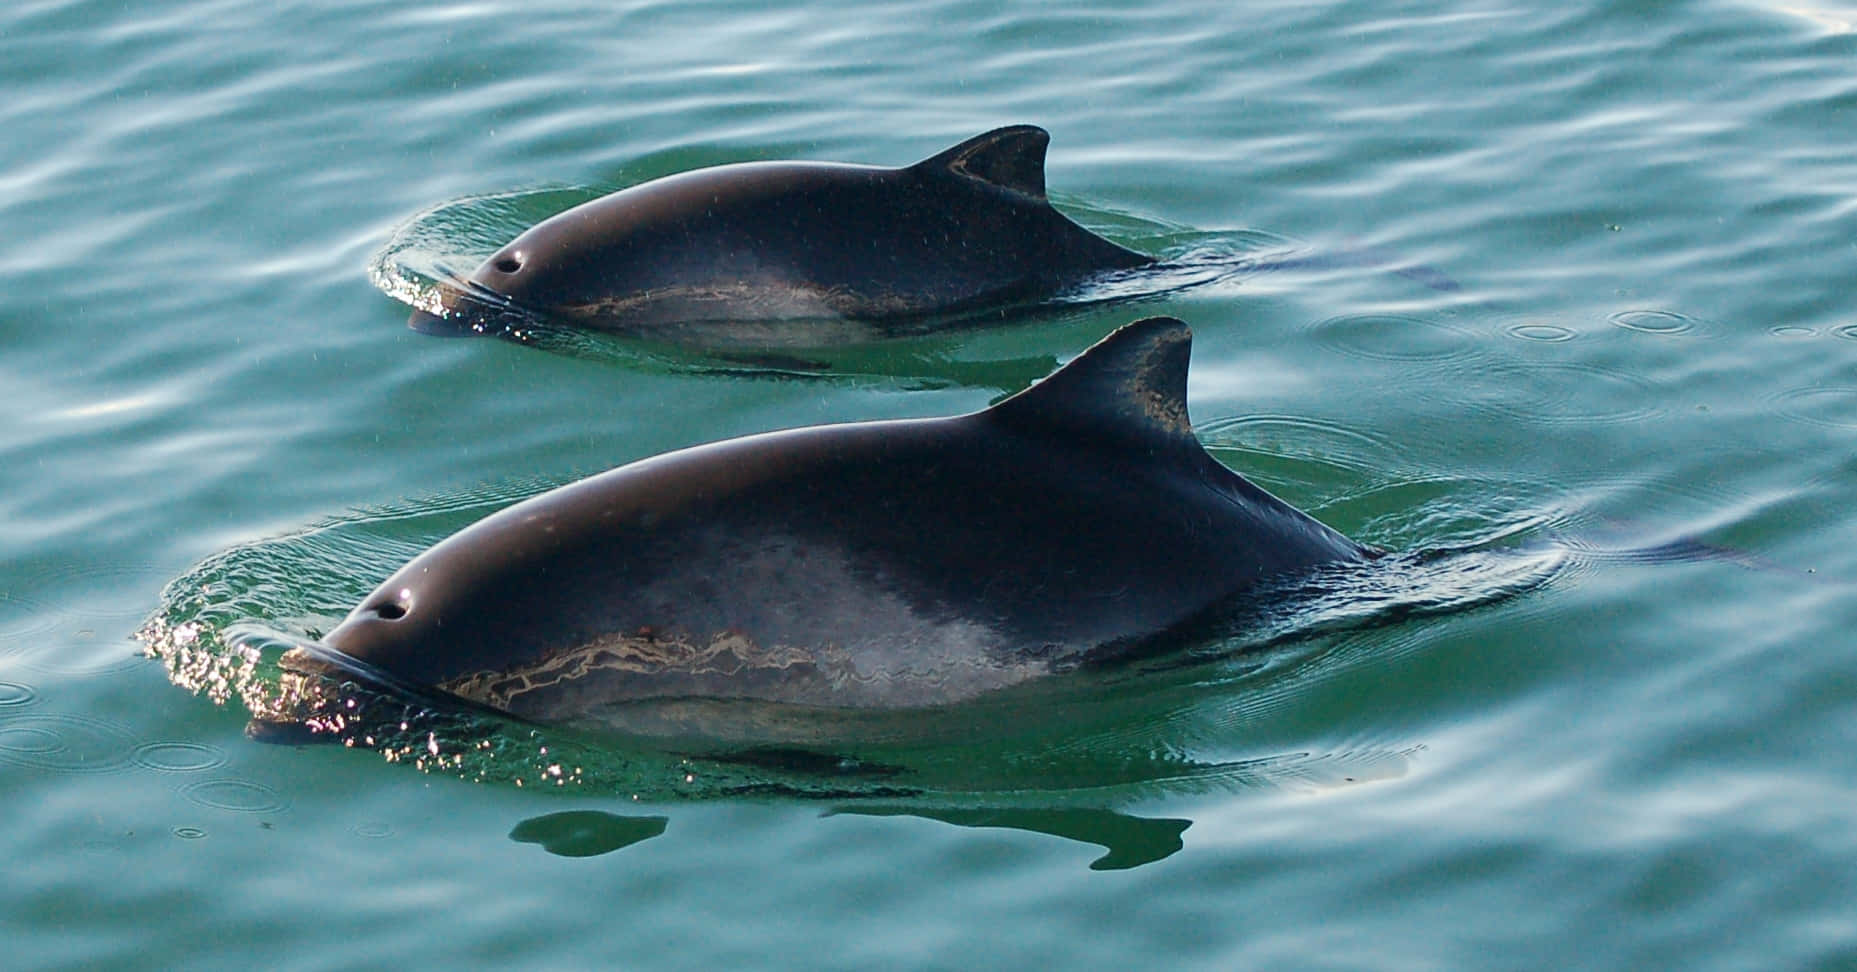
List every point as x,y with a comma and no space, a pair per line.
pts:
773,254
884,564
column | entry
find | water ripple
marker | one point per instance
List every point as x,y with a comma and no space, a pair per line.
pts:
1654,322
15,695
81,655
1541,332
238,796
178,757
21,616
104,591
1313,439
1388,337
1829,406
65,743
1558,393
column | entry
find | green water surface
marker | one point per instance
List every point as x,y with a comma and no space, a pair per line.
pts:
1574,277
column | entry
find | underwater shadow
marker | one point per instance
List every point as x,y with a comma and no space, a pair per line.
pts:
1129,841
586,833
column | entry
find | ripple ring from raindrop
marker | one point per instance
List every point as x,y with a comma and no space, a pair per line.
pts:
1653,321
178,757
1830,406
65,743
1389,337
239,796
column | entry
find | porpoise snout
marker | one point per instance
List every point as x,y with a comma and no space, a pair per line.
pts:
450,325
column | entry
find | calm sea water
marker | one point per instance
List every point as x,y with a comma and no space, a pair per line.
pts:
1647,215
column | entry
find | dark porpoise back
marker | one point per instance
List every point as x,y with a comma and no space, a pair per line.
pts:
790,253
873,565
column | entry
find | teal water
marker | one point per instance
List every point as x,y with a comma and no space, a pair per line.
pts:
1650,214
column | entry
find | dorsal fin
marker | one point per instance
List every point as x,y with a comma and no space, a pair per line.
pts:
1129,388
1011,158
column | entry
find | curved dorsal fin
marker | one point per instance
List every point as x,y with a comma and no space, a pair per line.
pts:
1012,158
1129,388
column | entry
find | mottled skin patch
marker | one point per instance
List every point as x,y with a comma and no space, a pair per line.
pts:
725,656
622,668
1146,389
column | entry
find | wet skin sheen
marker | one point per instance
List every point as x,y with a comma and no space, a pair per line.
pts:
792,253
870,565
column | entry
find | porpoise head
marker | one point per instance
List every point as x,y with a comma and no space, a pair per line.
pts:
510,289
371,679
434,618
362,659
621,257
375,670
508,591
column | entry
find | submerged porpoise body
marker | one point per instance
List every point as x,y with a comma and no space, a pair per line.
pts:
792,253
884,564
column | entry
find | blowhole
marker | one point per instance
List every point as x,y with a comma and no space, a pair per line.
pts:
390,611
508,264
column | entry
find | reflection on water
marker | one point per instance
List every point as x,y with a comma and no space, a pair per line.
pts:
1129,840
586,833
